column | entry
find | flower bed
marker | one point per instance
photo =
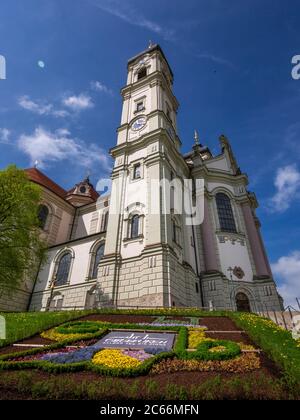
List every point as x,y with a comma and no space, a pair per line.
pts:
115,359
195,337
191,346
173,322
244,363
73,330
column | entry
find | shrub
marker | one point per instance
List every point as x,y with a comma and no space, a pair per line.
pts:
228,350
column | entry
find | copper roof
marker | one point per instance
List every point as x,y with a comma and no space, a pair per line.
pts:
37,176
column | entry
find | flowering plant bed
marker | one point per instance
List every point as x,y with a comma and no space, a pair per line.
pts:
191,345
76,356
173,322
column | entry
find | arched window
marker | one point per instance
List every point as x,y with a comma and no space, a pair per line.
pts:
43,214
142,73
134,231
225,213
63,269
98,256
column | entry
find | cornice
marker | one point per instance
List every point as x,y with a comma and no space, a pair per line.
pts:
155,76
215,175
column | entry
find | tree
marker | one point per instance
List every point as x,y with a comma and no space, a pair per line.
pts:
21,248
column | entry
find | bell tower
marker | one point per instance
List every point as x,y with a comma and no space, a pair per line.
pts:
143,245
148,100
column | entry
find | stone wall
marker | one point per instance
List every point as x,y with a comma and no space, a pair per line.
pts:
16,302
73,296
221,292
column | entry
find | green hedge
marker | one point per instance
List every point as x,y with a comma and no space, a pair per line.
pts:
23,325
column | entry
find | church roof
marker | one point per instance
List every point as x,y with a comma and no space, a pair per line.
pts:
40,178
37,176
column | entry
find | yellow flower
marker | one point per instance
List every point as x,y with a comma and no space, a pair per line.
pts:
113,358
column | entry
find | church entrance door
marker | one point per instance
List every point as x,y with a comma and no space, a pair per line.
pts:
242,303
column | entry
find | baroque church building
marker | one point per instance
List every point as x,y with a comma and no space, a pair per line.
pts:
116,250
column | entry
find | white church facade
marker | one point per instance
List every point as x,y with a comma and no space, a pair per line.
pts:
114,250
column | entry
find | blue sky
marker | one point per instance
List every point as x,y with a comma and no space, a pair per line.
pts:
66,62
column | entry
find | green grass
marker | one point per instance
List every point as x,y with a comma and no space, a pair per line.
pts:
64,386
277,343
22,325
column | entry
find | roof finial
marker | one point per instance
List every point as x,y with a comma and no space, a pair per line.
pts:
87,176
196,138
150,44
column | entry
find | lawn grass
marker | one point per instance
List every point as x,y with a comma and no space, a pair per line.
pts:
23,325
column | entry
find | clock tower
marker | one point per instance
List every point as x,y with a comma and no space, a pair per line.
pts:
143,263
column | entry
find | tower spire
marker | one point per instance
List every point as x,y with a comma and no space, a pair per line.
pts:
196,137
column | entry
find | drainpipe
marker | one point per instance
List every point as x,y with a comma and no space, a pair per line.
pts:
197,267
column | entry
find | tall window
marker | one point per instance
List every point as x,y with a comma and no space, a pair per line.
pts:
98,256
137,171
134,233
174,231
104,222
63,270
43,214
142,73
225,213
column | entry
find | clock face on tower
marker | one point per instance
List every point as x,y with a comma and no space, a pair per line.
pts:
139,124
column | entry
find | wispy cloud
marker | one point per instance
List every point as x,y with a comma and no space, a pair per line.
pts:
48,147
129,14
4,135
35,107
287,183
79,102
287,268
40,107
100,87
216,59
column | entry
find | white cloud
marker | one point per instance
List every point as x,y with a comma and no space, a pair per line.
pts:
287,183
45,147
40,108
287,268
127,13
4,135
35,107
78,103
100,87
